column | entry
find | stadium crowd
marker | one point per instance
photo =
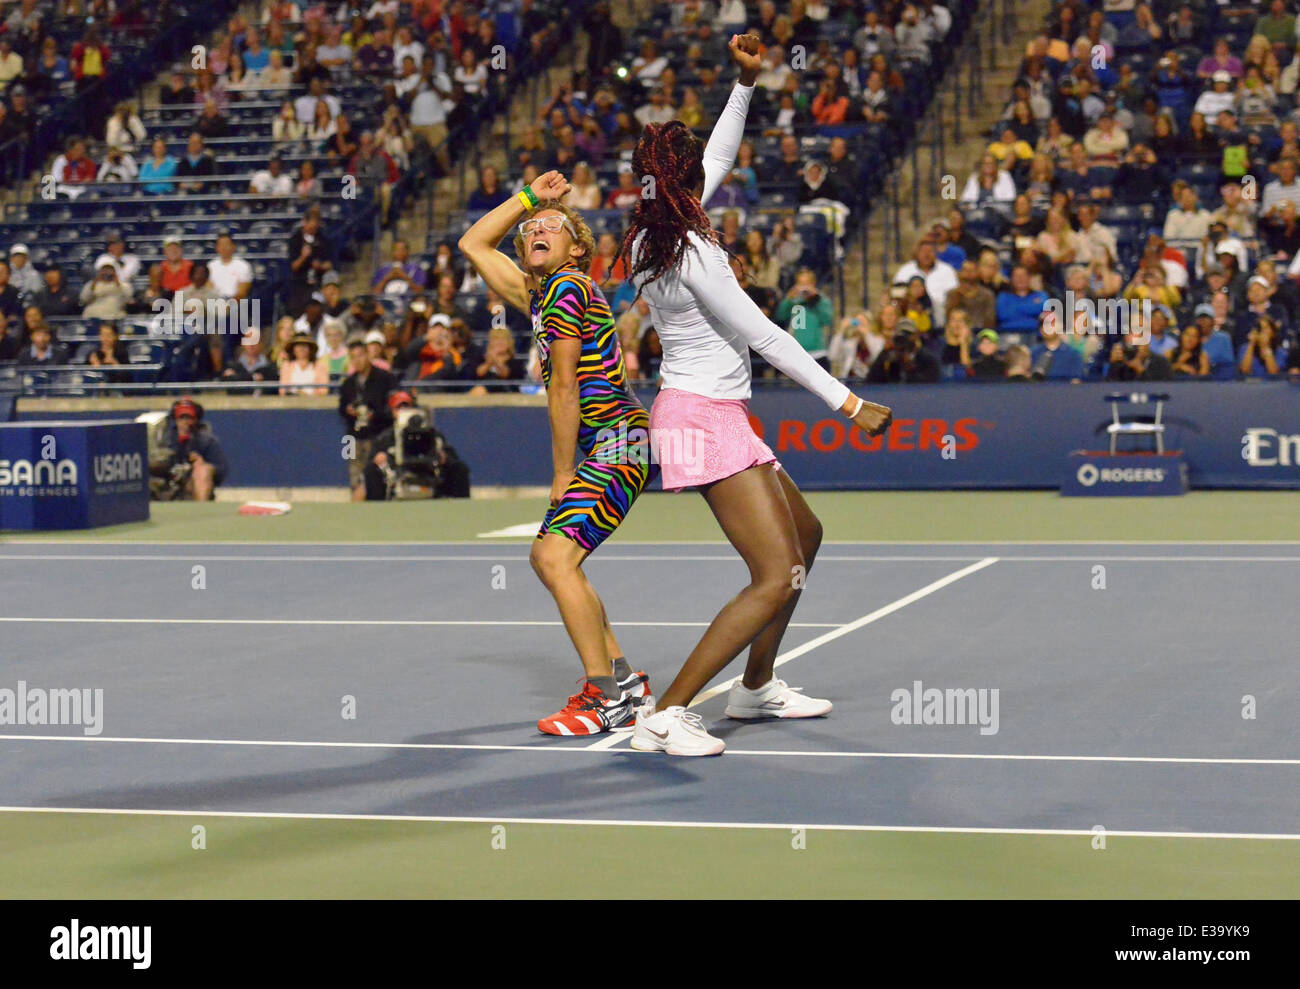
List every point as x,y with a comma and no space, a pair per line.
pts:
1144,171
239,180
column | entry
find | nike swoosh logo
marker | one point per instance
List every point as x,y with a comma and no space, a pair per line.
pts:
661,735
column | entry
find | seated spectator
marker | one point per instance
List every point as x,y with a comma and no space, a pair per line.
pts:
73,170
1221,60
336,55
118,166
124,128
42,349
336,305
1187,221
989,185
830,107
1080,180
287,127
301,371
444,300
1237,213
626,194
434,356
276,75
1106,140
988,364
177,92
105,297
499,363
322,126
109,351
917,307
377,173
940,278
211,122
307,186
815,315
334,355
1133,360
1265,351
127,264
1189,359
1057,241
1259,306
1018,306
1009,150
1220,96
1053,358
344,143
23,276
585,193
172,273
1141,178
305,106
1163,332
656,111
55,298
904,360
272,180
401,275
195,163
979,302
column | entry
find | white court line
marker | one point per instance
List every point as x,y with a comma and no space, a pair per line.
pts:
551,749
595,822
821,640
59,620
613,558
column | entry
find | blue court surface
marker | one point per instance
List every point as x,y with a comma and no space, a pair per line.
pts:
1160,703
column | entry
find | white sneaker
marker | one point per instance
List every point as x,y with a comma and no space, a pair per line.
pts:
775,699
676,731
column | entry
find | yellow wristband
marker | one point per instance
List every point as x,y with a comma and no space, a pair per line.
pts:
527,203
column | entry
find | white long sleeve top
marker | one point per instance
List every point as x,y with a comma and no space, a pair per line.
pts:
706,322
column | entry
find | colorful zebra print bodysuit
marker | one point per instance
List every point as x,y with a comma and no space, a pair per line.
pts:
613,435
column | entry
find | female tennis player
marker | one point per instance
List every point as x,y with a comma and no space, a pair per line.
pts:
593,411
706,325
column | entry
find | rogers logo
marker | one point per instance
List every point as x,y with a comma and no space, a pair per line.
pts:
903,435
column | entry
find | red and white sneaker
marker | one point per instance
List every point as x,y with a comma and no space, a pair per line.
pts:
590,712
637,686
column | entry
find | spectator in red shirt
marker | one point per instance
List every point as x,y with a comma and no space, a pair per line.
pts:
73,169
626,193
830,106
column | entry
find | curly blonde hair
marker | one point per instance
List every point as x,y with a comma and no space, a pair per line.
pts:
584,238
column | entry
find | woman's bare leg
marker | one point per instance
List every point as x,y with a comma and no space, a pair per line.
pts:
752,509
762,654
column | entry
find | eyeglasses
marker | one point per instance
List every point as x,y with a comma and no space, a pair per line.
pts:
551,224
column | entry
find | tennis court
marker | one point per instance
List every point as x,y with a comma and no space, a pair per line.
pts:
344,701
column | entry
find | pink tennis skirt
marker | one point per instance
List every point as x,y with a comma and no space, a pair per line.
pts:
698,440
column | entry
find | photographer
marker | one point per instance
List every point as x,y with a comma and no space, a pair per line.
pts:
904,361
363,404
807,314
189,463
421,464
1134,361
